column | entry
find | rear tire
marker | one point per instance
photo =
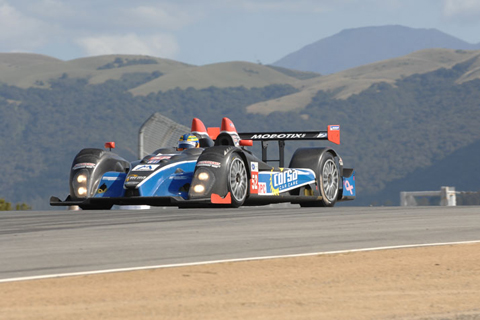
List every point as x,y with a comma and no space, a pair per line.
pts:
237,180
328,183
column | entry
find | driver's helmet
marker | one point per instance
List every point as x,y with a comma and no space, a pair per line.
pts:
187,141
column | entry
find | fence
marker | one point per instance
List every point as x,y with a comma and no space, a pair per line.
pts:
447,196
158,132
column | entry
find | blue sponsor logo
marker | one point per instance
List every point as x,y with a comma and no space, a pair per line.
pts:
275,182
285,179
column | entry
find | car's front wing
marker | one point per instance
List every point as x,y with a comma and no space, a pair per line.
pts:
179,201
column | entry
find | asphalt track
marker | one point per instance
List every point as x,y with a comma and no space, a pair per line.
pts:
36,243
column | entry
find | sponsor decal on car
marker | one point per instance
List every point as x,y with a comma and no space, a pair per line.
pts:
111,178
262,188
135,177
254,177
179,177
334,127
282,180
279,136
207,163
84,165
322,135
349,186
150,167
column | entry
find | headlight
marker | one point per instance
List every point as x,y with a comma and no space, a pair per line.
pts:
202,183
82,191
80,184
199,188
203,176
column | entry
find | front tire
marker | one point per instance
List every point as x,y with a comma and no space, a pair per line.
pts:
237,180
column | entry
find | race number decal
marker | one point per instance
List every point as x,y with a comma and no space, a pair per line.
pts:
254,179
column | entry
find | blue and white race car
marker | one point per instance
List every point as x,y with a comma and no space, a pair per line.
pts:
219,172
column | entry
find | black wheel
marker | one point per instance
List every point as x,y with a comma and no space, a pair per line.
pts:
328,180
237,180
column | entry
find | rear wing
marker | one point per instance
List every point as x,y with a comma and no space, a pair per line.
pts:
332,134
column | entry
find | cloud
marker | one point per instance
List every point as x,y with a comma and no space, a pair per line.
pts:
462,10
301,6
19,32
159,45
279,5
52,9
161,16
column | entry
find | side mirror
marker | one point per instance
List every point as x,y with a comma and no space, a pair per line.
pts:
110,145
246,143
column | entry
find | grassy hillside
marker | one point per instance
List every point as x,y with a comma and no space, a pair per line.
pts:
36,71
220,75
32,70
441,173
353,81
390,129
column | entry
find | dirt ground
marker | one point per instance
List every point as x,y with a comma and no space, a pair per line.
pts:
423,283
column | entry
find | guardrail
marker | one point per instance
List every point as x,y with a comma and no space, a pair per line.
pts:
447,196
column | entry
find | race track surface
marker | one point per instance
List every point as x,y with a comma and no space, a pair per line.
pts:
56,242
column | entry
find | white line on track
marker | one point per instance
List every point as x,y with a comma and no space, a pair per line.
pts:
61,275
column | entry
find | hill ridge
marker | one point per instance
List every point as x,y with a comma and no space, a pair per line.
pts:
355,80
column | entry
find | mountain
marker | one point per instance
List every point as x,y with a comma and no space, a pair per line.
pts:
355,47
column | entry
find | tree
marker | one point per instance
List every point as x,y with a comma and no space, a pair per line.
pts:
7,206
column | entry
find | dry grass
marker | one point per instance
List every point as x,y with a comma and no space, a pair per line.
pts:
423,283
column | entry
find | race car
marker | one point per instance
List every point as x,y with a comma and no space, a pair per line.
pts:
219,172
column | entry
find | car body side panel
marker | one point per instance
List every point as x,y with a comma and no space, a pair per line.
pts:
111,185
160,181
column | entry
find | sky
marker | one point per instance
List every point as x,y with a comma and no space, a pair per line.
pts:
202,32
